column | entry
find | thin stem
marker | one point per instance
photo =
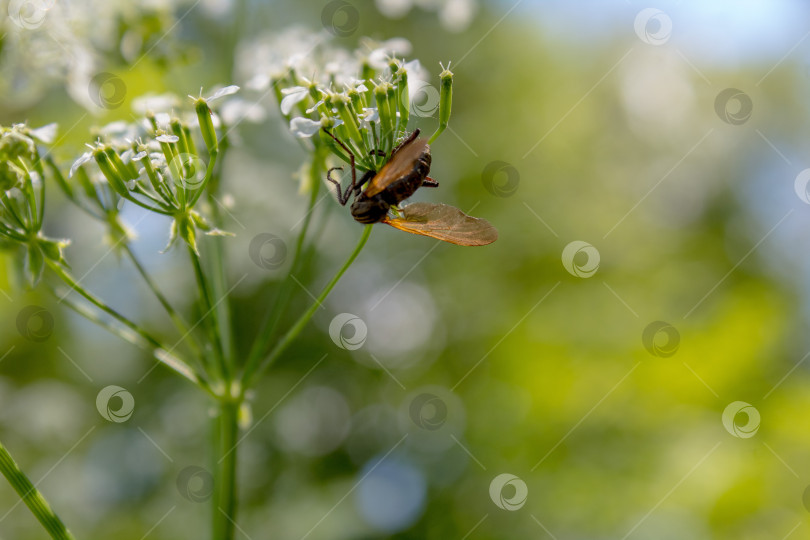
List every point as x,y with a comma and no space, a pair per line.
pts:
268,327
32,497
216,260
209,173
159,350
178,321
226,433
160,355
209,309
299,325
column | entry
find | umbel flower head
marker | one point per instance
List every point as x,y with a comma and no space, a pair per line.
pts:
364,98
153,164
22,198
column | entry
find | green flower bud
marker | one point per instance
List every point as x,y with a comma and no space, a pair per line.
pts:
386,120
391,103
177,129
186,230
9,176
349,117
126,170
445,100
14,145
209,134
116,180
403,99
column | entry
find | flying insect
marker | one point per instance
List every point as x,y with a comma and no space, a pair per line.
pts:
406,171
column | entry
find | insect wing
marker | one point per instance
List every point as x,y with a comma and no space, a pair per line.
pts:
401,164
444,222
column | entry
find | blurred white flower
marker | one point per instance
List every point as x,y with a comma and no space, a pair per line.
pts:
454,15
47,42
275,54
151,102
237,110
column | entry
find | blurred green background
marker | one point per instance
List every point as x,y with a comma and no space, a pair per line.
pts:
586,121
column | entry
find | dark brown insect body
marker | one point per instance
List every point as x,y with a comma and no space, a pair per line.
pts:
405,172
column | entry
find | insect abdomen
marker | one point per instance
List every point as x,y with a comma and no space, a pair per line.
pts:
405,186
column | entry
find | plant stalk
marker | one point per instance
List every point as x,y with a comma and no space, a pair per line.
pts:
302,321
32,498
226,433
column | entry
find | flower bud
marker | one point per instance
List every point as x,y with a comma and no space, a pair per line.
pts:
209,134
116,180
403,99
386,119
8,176
349,117
445,100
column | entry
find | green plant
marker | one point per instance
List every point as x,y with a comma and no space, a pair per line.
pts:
172,166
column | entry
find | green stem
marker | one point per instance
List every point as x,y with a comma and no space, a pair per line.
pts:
268,327
74,285
209,310
299,325
160,351
226,433
216,259
32,497
178,321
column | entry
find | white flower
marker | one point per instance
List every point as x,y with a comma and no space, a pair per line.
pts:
304,127
154,103
237,110
45,134
259,82
369,116
166,138
292,95
381,52
455,15
275,54
84,158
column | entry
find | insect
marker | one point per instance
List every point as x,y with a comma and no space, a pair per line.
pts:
406,171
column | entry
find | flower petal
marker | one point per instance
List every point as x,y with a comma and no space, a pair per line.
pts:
222,92
84,158
167,138
45,134
299,94
304,127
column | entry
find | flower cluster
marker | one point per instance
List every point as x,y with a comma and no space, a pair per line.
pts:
364,98
22,197
153,164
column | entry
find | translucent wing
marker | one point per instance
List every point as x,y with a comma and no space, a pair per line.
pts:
401,164
444,222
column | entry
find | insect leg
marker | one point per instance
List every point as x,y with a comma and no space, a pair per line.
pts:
343,197
366,177
354,169
429,182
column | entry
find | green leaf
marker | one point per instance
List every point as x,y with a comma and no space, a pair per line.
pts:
34,264
187,231
172,236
